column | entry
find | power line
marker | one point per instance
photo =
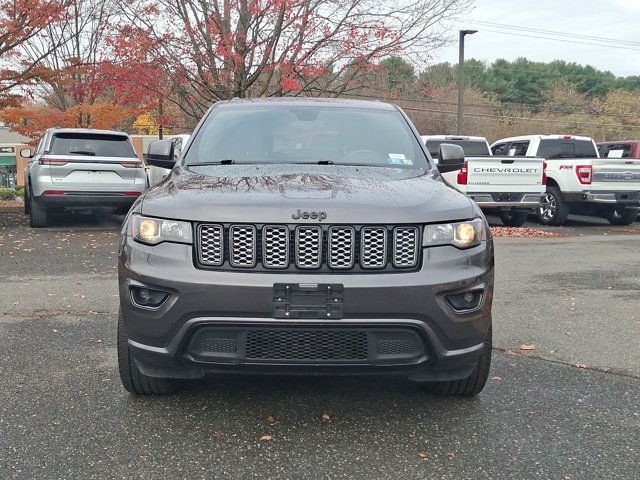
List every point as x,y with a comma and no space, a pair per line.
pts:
560,40
557,33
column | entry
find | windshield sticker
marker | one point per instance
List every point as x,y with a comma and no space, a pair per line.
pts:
397,156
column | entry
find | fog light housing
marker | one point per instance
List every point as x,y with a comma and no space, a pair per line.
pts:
144,297
465,301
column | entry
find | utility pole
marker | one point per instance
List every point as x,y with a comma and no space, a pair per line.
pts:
160,113
463,33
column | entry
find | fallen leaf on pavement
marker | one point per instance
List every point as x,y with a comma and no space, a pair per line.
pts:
521,232
581,365
452,454
271,419
513,353
527,346
497,377
423,455
266,438
325,417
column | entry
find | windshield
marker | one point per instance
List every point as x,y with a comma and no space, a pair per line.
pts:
306,134
472,148
91,144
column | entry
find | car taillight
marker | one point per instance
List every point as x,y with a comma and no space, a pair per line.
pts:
462,175
584,174
132,164
544,173
52,161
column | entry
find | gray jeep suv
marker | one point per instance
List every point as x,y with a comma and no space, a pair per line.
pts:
305,237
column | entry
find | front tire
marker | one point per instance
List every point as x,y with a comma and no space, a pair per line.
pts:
513,218
132,379
622,215
38,215
474,383
552,210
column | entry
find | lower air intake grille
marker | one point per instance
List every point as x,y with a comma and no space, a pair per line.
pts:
327,345
219,345
395,347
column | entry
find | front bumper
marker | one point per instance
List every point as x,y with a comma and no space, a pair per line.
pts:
523,201
228,307
623,198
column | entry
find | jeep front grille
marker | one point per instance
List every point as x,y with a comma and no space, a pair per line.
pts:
341,247
321,248
405,246
242,246
275,246
308,247
211,250
373,248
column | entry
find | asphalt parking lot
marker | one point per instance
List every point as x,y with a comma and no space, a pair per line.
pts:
568,409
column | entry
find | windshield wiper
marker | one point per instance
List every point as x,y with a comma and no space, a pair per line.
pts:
224,161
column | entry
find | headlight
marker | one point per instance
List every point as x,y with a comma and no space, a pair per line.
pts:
461,234
156,230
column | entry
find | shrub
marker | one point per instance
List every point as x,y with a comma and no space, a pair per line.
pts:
20,191
7,194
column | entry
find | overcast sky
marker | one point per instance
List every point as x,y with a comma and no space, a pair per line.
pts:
612,19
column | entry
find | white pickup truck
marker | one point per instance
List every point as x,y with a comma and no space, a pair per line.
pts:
510,187
578,180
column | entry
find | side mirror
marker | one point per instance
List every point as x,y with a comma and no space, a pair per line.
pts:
162,153
26,153
450,158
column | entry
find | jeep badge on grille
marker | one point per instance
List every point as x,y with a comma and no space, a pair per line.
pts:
309,215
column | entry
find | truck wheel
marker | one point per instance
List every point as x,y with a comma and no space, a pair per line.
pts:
38,215
552,210
621,215
132,379
513,218
471,385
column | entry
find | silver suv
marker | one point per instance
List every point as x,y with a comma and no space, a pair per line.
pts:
81,168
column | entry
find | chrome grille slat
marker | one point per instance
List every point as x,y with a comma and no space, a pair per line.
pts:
405,246
373,247
211,251
275,246
308,247
325,248
341,254
242,245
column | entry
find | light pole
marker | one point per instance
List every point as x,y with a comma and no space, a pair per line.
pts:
463,33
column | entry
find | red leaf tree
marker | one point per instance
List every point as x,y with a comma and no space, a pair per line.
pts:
20,22
212,50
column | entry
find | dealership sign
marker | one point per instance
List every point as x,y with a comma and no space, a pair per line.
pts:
8,150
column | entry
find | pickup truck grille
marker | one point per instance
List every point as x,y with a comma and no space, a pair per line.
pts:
326,248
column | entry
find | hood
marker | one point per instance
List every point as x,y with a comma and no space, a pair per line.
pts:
283,193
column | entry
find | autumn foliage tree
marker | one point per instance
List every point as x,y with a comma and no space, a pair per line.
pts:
74,92
213,50
20,22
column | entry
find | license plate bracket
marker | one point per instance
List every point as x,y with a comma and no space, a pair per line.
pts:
308,300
